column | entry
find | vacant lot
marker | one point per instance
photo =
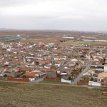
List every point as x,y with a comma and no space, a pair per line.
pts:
45,95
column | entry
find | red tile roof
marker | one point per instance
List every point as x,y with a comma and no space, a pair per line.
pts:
43,61
48,70
32,74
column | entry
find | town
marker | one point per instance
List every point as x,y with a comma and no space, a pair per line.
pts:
73,60
53,53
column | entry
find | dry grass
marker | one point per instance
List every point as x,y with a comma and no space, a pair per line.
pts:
45,95
80,43
43,39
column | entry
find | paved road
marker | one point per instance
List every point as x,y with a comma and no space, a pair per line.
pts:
76,80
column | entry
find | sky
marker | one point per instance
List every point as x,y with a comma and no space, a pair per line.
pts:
82,15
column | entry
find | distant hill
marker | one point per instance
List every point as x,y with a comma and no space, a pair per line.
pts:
6,29
34,33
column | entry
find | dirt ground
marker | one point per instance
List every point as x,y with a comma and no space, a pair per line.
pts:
46,95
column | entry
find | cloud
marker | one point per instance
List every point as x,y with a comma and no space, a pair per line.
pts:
6,3
59,14
49,7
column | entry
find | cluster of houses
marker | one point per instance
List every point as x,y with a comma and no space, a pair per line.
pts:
35,62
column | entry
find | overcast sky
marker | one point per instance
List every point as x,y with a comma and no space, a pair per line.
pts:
84,15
